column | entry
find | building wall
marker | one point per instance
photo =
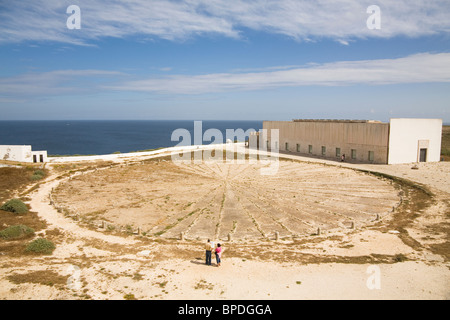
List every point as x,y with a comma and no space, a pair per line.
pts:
40,155
407,136
346,135
16,153
21,153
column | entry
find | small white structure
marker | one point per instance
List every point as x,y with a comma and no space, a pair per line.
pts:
414,140
22,154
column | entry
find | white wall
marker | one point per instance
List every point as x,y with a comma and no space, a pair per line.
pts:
20,153
405,136
16,153
38,156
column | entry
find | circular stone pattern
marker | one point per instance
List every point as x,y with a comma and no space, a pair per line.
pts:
215,199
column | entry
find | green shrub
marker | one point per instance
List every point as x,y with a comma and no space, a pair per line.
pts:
40,245
39,172
15,205
37,175
16,232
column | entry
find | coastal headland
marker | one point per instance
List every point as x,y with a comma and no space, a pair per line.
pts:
133,227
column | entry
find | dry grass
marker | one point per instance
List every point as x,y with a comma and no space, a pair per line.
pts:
44,277
17,247
13,180
445,145
69,168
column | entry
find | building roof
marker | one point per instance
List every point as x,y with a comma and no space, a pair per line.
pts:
336,120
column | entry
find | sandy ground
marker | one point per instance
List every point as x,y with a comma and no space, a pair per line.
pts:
388,260
217,199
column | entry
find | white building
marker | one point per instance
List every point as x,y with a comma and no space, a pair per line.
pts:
22,154
414,140
365,141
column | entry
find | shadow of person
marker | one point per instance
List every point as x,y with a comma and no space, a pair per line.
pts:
198,261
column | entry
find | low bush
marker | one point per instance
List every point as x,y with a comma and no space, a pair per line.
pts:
39,172
40,245
16,232
15,206
37,175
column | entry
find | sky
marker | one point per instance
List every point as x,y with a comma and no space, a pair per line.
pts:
224,59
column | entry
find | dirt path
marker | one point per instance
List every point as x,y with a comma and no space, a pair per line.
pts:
40,202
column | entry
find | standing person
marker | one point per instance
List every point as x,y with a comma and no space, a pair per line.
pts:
343,158
208,248
218,253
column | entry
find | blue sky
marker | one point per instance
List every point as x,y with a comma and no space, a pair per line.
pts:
217,59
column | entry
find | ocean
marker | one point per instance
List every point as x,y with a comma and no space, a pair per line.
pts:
80,137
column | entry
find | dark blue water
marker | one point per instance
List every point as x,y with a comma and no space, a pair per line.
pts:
105,137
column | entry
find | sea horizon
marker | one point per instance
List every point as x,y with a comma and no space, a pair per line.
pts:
95,137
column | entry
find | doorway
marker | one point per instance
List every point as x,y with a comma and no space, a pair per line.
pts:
423,155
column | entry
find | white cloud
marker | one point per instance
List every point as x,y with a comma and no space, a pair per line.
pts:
343,42
419,68
45,20
304,20
54,82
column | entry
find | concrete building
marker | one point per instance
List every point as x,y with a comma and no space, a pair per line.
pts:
22,154
367,141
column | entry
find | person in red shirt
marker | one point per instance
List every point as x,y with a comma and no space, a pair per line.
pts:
218,253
